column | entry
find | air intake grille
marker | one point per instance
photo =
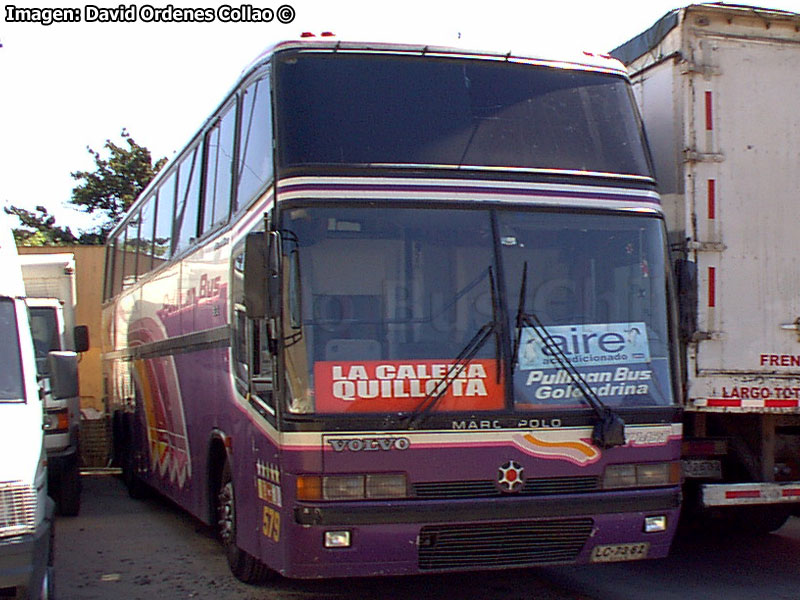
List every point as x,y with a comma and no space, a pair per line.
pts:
511,544
486,489
17,509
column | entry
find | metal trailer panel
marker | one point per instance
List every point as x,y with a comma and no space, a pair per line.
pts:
716,93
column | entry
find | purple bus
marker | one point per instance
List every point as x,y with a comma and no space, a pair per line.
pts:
400,309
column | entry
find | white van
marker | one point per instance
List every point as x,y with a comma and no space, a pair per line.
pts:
26,512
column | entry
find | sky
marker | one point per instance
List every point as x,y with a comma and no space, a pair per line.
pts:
66,87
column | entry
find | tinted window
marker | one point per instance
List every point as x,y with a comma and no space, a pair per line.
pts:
11,382
131,247
219,170
166,205
187,204
146,236
118,253
351,109
255,141
109,271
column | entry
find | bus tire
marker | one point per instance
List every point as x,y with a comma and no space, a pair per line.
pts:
137,489
244,566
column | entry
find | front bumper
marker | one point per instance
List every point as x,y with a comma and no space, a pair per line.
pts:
24,559
400,538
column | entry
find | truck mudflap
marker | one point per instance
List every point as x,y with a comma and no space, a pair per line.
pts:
740,494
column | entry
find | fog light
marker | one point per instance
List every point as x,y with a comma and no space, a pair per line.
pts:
337,539
655,524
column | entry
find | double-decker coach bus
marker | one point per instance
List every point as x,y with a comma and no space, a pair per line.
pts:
400,309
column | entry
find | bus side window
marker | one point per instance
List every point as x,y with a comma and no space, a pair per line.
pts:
219,170
187,202
108,287
162,242
144,265
130,248
119,255
255,141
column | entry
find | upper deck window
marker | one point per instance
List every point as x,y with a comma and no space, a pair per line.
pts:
376,109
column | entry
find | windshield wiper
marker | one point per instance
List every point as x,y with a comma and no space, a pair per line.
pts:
609,431
429,402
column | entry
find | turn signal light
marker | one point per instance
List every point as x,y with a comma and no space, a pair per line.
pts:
56,421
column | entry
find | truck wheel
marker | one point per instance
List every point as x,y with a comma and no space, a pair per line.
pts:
244,566
69,492
760,520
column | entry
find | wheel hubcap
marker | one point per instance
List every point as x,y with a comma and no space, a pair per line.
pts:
225,516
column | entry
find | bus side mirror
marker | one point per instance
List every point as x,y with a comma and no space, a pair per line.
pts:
255,275
686,279
81,337
261,269
63,374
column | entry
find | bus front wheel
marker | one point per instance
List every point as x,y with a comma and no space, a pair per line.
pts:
244,566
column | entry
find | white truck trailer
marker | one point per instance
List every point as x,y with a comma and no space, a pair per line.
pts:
718,87
50,296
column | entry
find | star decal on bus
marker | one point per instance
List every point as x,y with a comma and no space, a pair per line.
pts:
511,476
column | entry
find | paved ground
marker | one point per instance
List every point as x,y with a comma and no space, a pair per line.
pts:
124,549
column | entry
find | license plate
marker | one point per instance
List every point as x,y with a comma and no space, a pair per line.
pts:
702,469
619,552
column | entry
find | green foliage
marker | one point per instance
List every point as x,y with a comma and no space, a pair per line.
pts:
116,182
39,228
108,191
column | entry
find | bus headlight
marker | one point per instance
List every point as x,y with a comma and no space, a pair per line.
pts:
347,487
386,486
642,475
352,487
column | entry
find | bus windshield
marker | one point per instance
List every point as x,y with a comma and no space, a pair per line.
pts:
418,110
381,303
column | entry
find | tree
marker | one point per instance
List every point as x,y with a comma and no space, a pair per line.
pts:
39,228
116,182
107,191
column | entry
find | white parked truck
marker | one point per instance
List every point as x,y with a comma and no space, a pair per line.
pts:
26,526
50,296
718,87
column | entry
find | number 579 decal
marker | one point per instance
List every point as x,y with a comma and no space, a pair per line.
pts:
271,524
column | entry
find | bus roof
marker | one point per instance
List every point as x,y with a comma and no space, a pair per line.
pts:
567,60
584,61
